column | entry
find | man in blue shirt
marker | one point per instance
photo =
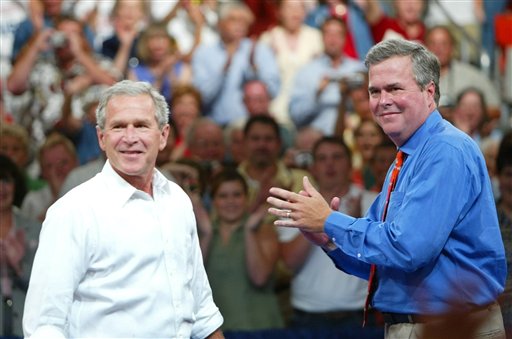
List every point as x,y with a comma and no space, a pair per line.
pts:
221,69
439,249
316,93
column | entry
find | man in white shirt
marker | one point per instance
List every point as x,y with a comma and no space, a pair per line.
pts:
119,255
323,296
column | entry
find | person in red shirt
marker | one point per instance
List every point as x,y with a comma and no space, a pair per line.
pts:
407,23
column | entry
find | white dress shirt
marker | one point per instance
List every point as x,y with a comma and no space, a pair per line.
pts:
319,286
115,262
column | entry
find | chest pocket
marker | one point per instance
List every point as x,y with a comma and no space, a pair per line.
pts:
395,203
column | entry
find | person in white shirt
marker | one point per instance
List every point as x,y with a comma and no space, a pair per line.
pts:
119,254
323,296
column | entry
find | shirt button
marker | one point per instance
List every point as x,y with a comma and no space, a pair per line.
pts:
359,255
333,239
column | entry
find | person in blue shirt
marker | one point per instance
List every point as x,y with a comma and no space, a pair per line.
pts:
316,91
439,250
221,69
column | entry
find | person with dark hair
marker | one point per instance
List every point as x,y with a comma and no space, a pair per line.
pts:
430,244
241,257
47,83
18,242
471,115
504,206
127,262
457,75
321,295
263,166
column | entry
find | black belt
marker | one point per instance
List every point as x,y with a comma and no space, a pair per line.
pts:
401,318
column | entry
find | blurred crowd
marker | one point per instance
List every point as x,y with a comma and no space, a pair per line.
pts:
261,94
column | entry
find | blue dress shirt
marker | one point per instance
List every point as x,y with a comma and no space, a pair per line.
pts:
440,245
222,92
321,113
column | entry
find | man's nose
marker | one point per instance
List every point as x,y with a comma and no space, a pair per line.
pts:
130,133
385,98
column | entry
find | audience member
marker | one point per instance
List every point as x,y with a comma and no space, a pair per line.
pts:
366,136
234,141
406,24
46,81
354,106
316,91
18,242
205,141
300,154
82,131
13,13
15,144
457,75
471,116
322,295
220,69
161,64
359,37
57,157
464,19
42,14
294,44
265,15
504,206
241,258
154,273
257,101
129,18
186,109
192,22
263,167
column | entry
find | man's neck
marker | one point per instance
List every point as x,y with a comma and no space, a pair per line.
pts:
336,60
262,173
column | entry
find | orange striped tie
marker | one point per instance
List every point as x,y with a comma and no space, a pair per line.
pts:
392,183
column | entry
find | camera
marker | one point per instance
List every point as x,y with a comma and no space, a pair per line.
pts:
355,80
303,159
58,39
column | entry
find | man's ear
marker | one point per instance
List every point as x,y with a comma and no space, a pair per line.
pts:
101,135
164,135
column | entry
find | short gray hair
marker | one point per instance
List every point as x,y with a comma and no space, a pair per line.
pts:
425,65
226,8
133,88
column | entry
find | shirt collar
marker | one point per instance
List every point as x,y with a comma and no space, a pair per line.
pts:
421,134
121,191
